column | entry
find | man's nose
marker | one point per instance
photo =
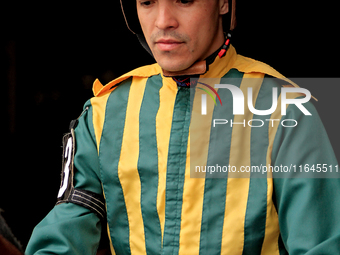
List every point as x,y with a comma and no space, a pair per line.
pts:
166,18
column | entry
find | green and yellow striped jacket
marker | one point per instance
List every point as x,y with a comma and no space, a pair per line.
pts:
133,146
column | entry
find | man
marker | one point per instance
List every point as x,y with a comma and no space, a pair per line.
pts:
135,139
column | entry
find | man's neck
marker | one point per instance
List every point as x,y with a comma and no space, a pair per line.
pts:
200,67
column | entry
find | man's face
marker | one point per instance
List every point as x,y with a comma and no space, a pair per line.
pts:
181,32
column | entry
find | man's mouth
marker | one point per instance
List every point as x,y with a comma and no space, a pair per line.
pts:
168,44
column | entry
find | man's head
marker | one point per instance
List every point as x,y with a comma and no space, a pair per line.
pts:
182,32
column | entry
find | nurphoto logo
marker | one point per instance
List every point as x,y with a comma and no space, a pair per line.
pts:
238,99
238,103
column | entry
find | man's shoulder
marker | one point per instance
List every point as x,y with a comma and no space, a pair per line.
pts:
142,72
249,65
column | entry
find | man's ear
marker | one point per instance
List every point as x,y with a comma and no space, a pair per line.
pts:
224,6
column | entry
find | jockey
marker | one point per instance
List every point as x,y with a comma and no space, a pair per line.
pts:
167,170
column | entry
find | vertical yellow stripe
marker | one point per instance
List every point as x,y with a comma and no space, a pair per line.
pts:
127,167
167,97
238,183
193,189
98,115
193,194
270,242
200,128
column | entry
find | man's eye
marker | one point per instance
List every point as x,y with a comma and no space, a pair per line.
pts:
185,1
145,3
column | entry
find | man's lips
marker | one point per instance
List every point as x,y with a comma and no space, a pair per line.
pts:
168,44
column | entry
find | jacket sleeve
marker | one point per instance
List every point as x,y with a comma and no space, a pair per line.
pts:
307,198
70,228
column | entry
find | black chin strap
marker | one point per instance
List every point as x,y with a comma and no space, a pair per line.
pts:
185,81
143,42
220,52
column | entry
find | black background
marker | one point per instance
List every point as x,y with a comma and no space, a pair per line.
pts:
51,53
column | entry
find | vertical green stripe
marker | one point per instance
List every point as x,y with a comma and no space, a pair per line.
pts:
216,185
148,164
176,170
86,156
255,220
89,120
109,154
